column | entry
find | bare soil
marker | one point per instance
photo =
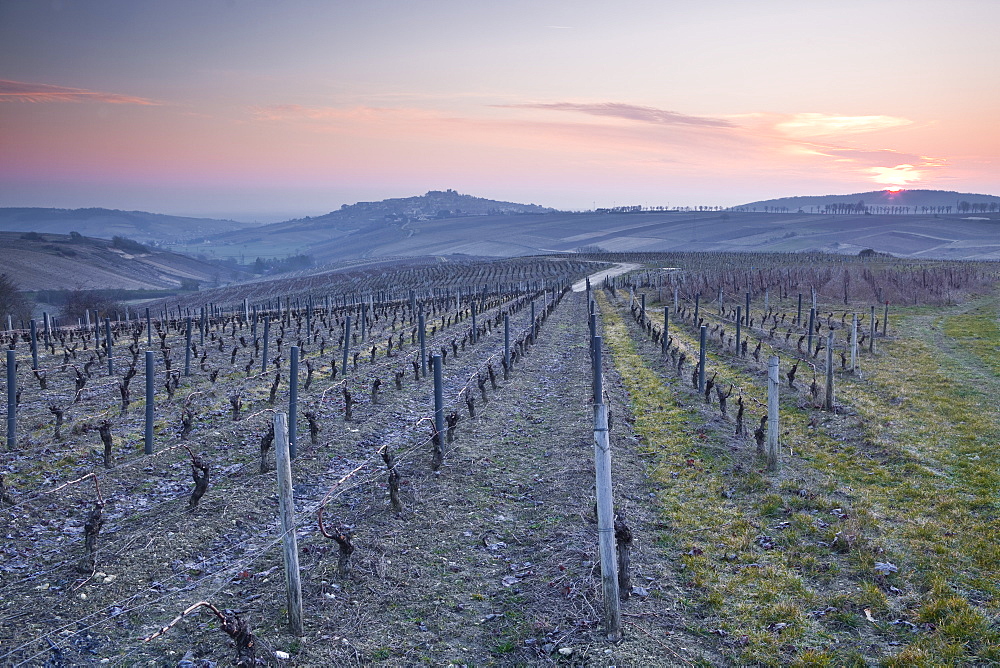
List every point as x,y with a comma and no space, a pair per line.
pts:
492,560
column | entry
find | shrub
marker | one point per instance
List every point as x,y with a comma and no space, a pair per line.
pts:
128,245
12,301
79,302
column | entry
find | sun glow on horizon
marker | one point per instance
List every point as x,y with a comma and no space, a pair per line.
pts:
895,177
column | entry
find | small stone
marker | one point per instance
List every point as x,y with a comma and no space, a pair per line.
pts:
565,651
109,579
284,656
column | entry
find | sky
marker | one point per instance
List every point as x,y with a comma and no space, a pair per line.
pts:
266,110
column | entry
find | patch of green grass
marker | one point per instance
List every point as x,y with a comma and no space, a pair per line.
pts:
504,646
917,489
758,595
978,332
813,658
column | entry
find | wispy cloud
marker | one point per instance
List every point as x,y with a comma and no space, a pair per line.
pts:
629,112
808,134
806,125
882,156
645,139
20,91
900,175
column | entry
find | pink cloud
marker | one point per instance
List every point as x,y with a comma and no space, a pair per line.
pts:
20,91
768,137
899,175
806,125
644,141
629,112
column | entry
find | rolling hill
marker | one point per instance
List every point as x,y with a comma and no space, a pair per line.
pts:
336,238
107,223
910,223
918,201
61,262
364,225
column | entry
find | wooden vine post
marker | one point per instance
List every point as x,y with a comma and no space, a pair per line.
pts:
267,335
34,345
739,324
533,331
702,334
438,413
475,327
812,327
854,343
666,329
108,340
772,414
347,343
150,380
187,348
286,507
422,334
829,372
506,341
11,400
605,503
871,331
293,400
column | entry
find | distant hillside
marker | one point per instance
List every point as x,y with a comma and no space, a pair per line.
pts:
107,223
883,201
60,262
945,236
390,219
434,204
911,223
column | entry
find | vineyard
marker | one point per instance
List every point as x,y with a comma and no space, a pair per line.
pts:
440,424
